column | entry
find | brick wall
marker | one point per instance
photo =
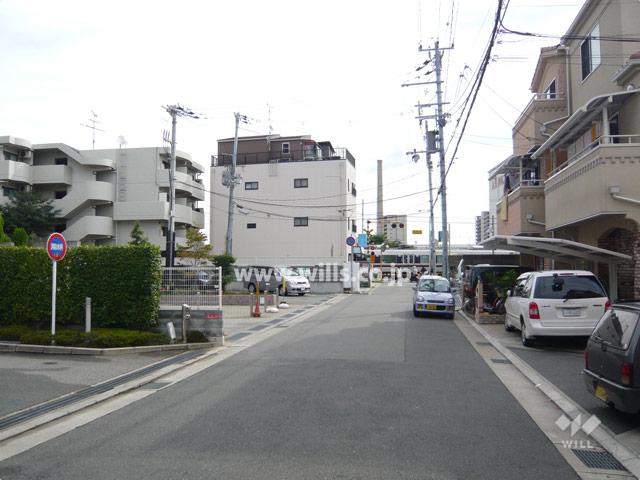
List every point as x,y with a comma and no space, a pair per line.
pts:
627,242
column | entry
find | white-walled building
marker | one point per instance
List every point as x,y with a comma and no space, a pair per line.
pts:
102,193
296,203
394,228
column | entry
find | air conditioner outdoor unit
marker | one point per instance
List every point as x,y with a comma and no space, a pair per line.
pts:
25,154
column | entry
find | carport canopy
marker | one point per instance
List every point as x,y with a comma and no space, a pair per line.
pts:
562,250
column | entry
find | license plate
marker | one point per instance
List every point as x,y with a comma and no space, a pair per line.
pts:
571,312
601,393
432,307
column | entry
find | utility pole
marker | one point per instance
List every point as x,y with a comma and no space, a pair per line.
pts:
93,121
175,111
441,121
230,181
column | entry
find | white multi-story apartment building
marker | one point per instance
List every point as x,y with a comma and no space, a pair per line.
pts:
102,193
394,228
295,205
484,226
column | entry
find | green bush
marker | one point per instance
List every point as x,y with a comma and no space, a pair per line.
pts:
20,237
13,332
123,282
99,338
196,336
37,337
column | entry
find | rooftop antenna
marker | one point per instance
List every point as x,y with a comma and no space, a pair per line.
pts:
122,142
93,121
270,127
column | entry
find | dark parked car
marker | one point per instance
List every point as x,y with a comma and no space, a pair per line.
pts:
612,358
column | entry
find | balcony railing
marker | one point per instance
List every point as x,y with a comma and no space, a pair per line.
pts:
282,157
602,140
538,98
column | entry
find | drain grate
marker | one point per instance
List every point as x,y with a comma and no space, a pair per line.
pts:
483,343
11,420
238,336
598,459
258,327
501,360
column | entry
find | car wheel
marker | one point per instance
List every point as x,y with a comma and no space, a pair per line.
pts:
415,312
252,288
507,326
302,294
527,341
451,316
281,291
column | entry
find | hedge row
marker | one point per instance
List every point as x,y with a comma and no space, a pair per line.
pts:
99,338
122,281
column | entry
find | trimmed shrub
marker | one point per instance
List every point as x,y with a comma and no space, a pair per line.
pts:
13,332
122,281
25,276
100,338
196,336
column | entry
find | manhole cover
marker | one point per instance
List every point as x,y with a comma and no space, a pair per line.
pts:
598,459
50,363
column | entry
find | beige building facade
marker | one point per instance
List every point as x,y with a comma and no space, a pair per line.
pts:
580,178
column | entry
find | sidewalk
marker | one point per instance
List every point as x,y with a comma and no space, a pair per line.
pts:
35,378
555,367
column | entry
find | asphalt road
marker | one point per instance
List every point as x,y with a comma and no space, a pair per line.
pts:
29,379
561,361
360,391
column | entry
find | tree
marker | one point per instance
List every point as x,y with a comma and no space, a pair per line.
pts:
20,237
4,238
196,247
137,235
225,261
31,212
376,239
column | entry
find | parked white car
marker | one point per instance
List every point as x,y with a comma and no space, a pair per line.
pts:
555,303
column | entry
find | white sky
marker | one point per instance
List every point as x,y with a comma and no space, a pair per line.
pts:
331,69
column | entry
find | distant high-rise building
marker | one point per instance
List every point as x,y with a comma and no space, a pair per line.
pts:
483,227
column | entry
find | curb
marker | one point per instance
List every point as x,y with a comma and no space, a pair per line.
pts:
75,407
48,349
602,434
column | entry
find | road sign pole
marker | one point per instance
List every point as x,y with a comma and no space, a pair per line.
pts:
53,297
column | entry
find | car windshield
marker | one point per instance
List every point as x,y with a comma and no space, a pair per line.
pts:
289,271
561,287
433,285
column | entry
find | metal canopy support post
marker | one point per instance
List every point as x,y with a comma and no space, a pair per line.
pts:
613,281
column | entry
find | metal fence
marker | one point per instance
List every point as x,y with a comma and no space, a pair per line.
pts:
195,286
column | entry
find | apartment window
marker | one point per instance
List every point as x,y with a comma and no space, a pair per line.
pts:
285,147
251,225
551,90
300,183
61,161
590,52
60,194
301,222
251,185
10,156
8,192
